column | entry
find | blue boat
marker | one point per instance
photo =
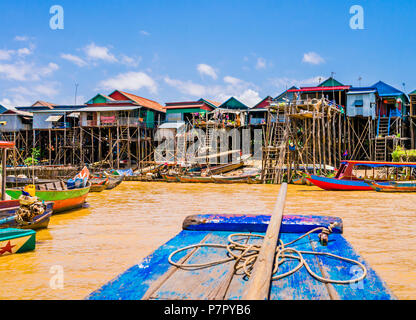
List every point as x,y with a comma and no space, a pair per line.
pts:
203,262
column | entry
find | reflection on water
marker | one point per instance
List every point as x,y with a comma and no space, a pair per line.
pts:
125,224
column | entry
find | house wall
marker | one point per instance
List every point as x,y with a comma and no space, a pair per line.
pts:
369,105
39,119
14,123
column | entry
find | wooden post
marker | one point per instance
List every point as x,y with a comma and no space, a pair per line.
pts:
80,146
259,284
118,145
4,175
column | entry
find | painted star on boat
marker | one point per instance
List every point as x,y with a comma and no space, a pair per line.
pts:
7,248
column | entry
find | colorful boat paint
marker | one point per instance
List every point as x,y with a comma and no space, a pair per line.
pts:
16,241
8,209
345,180
155,278
98,185
393,187
63,200
170,178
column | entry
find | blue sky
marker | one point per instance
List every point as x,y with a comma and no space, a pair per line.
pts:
184,50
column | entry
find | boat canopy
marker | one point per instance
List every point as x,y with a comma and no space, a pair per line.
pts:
377,164
6,144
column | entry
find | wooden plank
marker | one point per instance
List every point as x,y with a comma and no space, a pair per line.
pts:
134,282
300,285
258,223
372,287
200,283
259,283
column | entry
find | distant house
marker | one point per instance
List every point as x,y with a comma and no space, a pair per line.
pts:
185,111
412,96
392,101
3,109
51,116
13,120
331,89
257,115
122,108
362,102
286,96
231,113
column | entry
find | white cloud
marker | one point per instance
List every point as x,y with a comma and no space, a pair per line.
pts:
244,91
261,63
144,33
21,38
6,54
24,52
249,97
22,71
130,61
24,96
312,58
232,80
205,69
95,52
188,87
286,83
130,81
74,59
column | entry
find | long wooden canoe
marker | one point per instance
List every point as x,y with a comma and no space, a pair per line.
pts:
63,200
170,178
98,185
114,182
155,278
16,241
235,179
8,209
392,186
195,179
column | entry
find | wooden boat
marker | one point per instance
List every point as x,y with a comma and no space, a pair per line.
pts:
8,210
170,178
16,241
63,198
98,185
206,261
12,181
236,179
195,179
114,182
393,186
345,180
225,168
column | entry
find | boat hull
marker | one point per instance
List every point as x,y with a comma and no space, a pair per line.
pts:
9,210
333,184
170,178
16,241
63,200
156,278
190,179
401,187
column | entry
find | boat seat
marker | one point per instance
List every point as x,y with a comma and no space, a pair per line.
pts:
41,187
57,185
63,185
50,186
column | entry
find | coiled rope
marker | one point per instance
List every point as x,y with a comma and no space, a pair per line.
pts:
249,253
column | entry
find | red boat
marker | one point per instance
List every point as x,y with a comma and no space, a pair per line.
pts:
345,180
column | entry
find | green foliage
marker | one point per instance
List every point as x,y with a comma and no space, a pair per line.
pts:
34,159
401,154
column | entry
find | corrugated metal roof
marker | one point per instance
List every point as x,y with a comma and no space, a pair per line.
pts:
104,109
53,118
171,125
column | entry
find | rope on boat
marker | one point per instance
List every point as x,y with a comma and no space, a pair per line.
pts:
249,253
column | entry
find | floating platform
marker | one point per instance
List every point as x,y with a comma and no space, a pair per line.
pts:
155,278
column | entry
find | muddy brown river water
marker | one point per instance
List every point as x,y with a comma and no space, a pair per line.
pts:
88,247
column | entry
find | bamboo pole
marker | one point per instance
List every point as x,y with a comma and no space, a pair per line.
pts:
259,284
